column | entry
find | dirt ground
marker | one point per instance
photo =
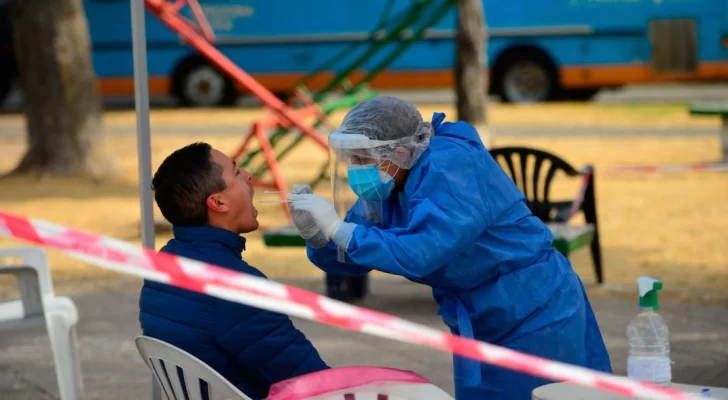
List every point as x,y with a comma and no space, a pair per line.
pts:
552,114
669,226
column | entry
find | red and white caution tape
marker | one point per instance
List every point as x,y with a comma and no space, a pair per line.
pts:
258,292
671,168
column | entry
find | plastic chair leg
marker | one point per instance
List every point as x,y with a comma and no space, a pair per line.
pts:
61,325
596,252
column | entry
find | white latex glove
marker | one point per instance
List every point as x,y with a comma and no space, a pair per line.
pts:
305,222
322,211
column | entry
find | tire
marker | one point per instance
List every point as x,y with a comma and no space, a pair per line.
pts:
8,64
6,84
197,83
526,77
8,75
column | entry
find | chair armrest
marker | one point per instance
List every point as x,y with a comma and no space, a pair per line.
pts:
28,286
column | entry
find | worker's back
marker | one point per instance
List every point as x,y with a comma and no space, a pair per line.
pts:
511,243
509,282
250,347
505,284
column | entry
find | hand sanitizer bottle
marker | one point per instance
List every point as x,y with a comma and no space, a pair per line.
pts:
649,338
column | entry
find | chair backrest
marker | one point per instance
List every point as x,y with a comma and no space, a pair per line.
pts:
528,178
179,372
34,257
358,383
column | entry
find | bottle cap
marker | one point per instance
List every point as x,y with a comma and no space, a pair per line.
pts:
648,288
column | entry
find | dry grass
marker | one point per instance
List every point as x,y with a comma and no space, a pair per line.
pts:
671,227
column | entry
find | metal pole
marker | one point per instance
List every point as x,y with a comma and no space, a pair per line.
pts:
141,102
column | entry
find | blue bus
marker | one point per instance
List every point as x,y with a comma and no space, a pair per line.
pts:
538,50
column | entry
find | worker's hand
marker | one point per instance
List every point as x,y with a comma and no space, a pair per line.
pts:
305,223
321,210
301,189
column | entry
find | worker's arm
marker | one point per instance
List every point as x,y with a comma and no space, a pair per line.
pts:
447,212
326,259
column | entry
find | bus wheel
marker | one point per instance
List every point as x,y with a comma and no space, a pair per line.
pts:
6,84
526,78
196,83
8,75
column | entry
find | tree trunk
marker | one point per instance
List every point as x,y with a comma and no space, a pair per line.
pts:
62,102
470,73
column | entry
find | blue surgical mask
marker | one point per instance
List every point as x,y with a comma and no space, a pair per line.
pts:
369,183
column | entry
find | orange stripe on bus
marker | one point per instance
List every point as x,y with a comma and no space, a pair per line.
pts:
571,77
385,80
574,76
125,86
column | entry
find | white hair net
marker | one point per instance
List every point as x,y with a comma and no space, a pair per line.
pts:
394,121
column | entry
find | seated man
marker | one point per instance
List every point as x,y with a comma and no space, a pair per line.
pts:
209,202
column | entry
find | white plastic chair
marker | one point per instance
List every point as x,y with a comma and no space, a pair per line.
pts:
38,305
164,359
358,383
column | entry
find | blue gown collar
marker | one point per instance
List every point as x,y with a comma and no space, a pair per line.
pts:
437,119
211,237
460,129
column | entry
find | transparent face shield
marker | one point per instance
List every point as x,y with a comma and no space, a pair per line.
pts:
362,180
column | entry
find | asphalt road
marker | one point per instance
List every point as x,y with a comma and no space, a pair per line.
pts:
113,369
669,93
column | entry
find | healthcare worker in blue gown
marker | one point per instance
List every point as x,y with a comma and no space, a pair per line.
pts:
430,204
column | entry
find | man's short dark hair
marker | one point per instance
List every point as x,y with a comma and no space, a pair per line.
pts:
183,182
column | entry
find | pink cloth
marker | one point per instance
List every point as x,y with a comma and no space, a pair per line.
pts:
330,380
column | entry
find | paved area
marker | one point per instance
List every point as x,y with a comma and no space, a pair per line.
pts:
669,92
113,369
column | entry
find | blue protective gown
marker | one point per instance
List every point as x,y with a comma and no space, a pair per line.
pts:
462,227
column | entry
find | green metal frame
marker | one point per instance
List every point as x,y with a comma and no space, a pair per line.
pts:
409,19
710,108
349,100
567,238
419,17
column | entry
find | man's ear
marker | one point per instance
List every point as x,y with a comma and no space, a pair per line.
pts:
216,202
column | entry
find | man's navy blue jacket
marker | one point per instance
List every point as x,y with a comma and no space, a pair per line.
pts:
250,347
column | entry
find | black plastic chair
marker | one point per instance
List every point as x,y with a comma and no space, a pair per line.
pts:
543,207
